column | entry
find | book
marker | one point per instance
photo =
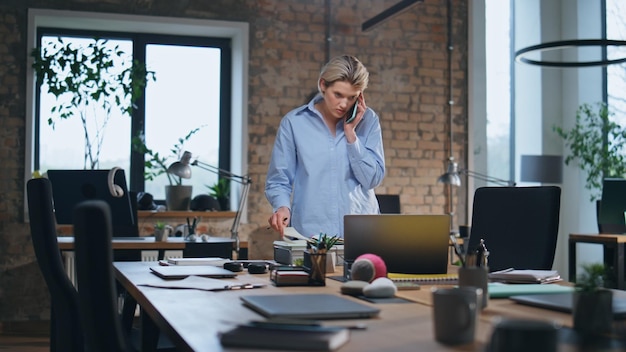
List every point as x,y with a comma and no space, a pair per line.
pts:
514,276
215,261
279,336
502,290
289,277
426,279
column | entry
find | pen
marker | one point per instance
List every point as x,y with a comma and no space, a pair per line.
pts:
269,227
243,286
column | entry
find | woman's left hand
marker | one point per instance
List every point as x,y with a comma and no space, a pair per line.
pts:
349,128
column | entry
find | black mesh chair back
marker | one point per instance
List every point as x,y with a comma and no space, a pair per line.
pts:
65,328
96,283
520,226
388,203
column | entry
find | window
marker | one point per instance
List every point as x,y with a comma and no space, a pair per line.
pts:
498,62
201,69
616,74
185,95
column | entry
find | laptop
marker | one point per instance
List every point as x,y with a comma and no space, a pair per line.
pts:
309,306
183,271
563,302
409,244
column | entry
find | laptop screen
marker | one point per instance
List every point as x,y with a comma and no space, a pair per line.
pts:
409,244
70,187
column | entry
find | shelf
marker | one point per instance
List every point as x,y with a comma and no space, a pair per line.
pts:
185,214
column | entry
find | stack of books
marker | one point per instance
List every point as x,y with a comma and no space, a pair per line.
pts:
513,276
292,247
285,336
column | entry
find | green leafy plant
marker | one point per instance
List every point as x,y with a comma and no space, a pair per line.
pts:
220,189
156,164
592,278
323,242
596,145
89,81
159,225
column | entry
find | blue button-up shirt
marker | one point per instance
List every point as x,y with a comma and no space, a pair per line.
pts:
325,176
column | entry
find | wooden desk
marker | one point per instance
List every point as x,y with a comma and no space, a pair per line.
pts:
66,243
613,248
194,318
214,247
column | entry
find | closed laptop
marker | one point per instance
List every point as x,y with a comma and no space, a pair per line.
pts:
409,244
309,306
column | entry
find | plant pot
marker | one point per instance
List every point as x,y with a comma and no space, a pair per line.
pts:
224,203
178,197
315,265
593,312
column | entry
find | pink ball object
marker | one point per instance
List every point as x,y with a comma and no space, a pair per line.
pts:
368,267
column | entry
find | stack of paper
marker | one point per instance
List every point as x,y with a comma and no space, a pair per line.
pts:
514,276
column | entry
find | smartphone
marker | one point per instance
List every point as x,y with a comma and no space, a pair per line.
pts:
353,113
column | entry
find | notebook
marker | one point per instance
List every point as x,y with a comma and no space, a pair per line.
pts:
563,302
182,271
409,244
309,306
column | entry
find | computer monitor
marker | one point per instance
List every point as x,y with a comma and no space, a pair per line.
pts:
70,187
612,213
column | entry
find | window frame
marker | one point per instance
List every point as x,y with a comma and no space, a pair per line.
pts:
236,32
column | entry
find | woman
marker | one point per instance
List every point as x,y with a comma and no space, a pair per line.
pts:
322,167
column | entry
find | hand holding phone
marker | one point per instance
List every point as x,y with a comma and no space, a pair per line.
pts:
350,118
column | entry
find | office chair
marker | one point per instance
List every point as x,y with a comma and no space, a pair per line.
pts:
519,225
388,203
65,329
104,330
97,295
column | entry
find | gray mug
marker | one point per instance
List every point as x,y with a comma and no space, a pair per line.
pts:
476,277
454,314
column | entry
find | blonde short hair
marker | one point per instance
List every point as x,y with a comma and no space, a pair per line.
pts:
345,68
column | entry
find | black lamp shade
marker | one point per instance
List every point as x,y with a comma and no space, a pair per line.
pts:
542,168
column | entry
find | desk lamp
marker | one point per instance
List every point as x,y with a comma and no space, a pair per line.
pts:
182,169
452,176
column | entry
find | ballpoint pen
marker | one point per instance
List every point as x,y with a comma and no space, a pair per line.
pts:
243,286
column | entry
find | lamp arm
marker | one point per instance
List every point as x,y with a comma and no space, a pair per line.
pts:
487,178
243,180
234,230
221,172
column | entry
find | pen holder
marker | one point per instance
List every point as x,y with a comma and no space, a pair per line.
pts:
475,276
315,265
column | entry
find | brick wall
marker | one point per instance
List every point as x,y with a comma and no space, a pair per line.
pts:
406,56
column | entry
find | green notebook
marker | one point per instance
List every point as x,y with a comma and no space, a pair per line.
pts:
500,290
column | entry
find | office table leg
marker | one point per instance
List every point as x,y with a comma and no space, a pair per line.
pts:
572,261
619,263
149,333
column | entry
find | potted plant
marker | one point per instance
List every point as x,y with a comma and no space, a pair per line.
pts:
595,145
316,258
177,195
89,82
220,190
592,308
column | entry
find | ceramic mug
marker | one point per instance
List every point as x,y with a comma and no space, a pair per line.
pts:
454,314
476,277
